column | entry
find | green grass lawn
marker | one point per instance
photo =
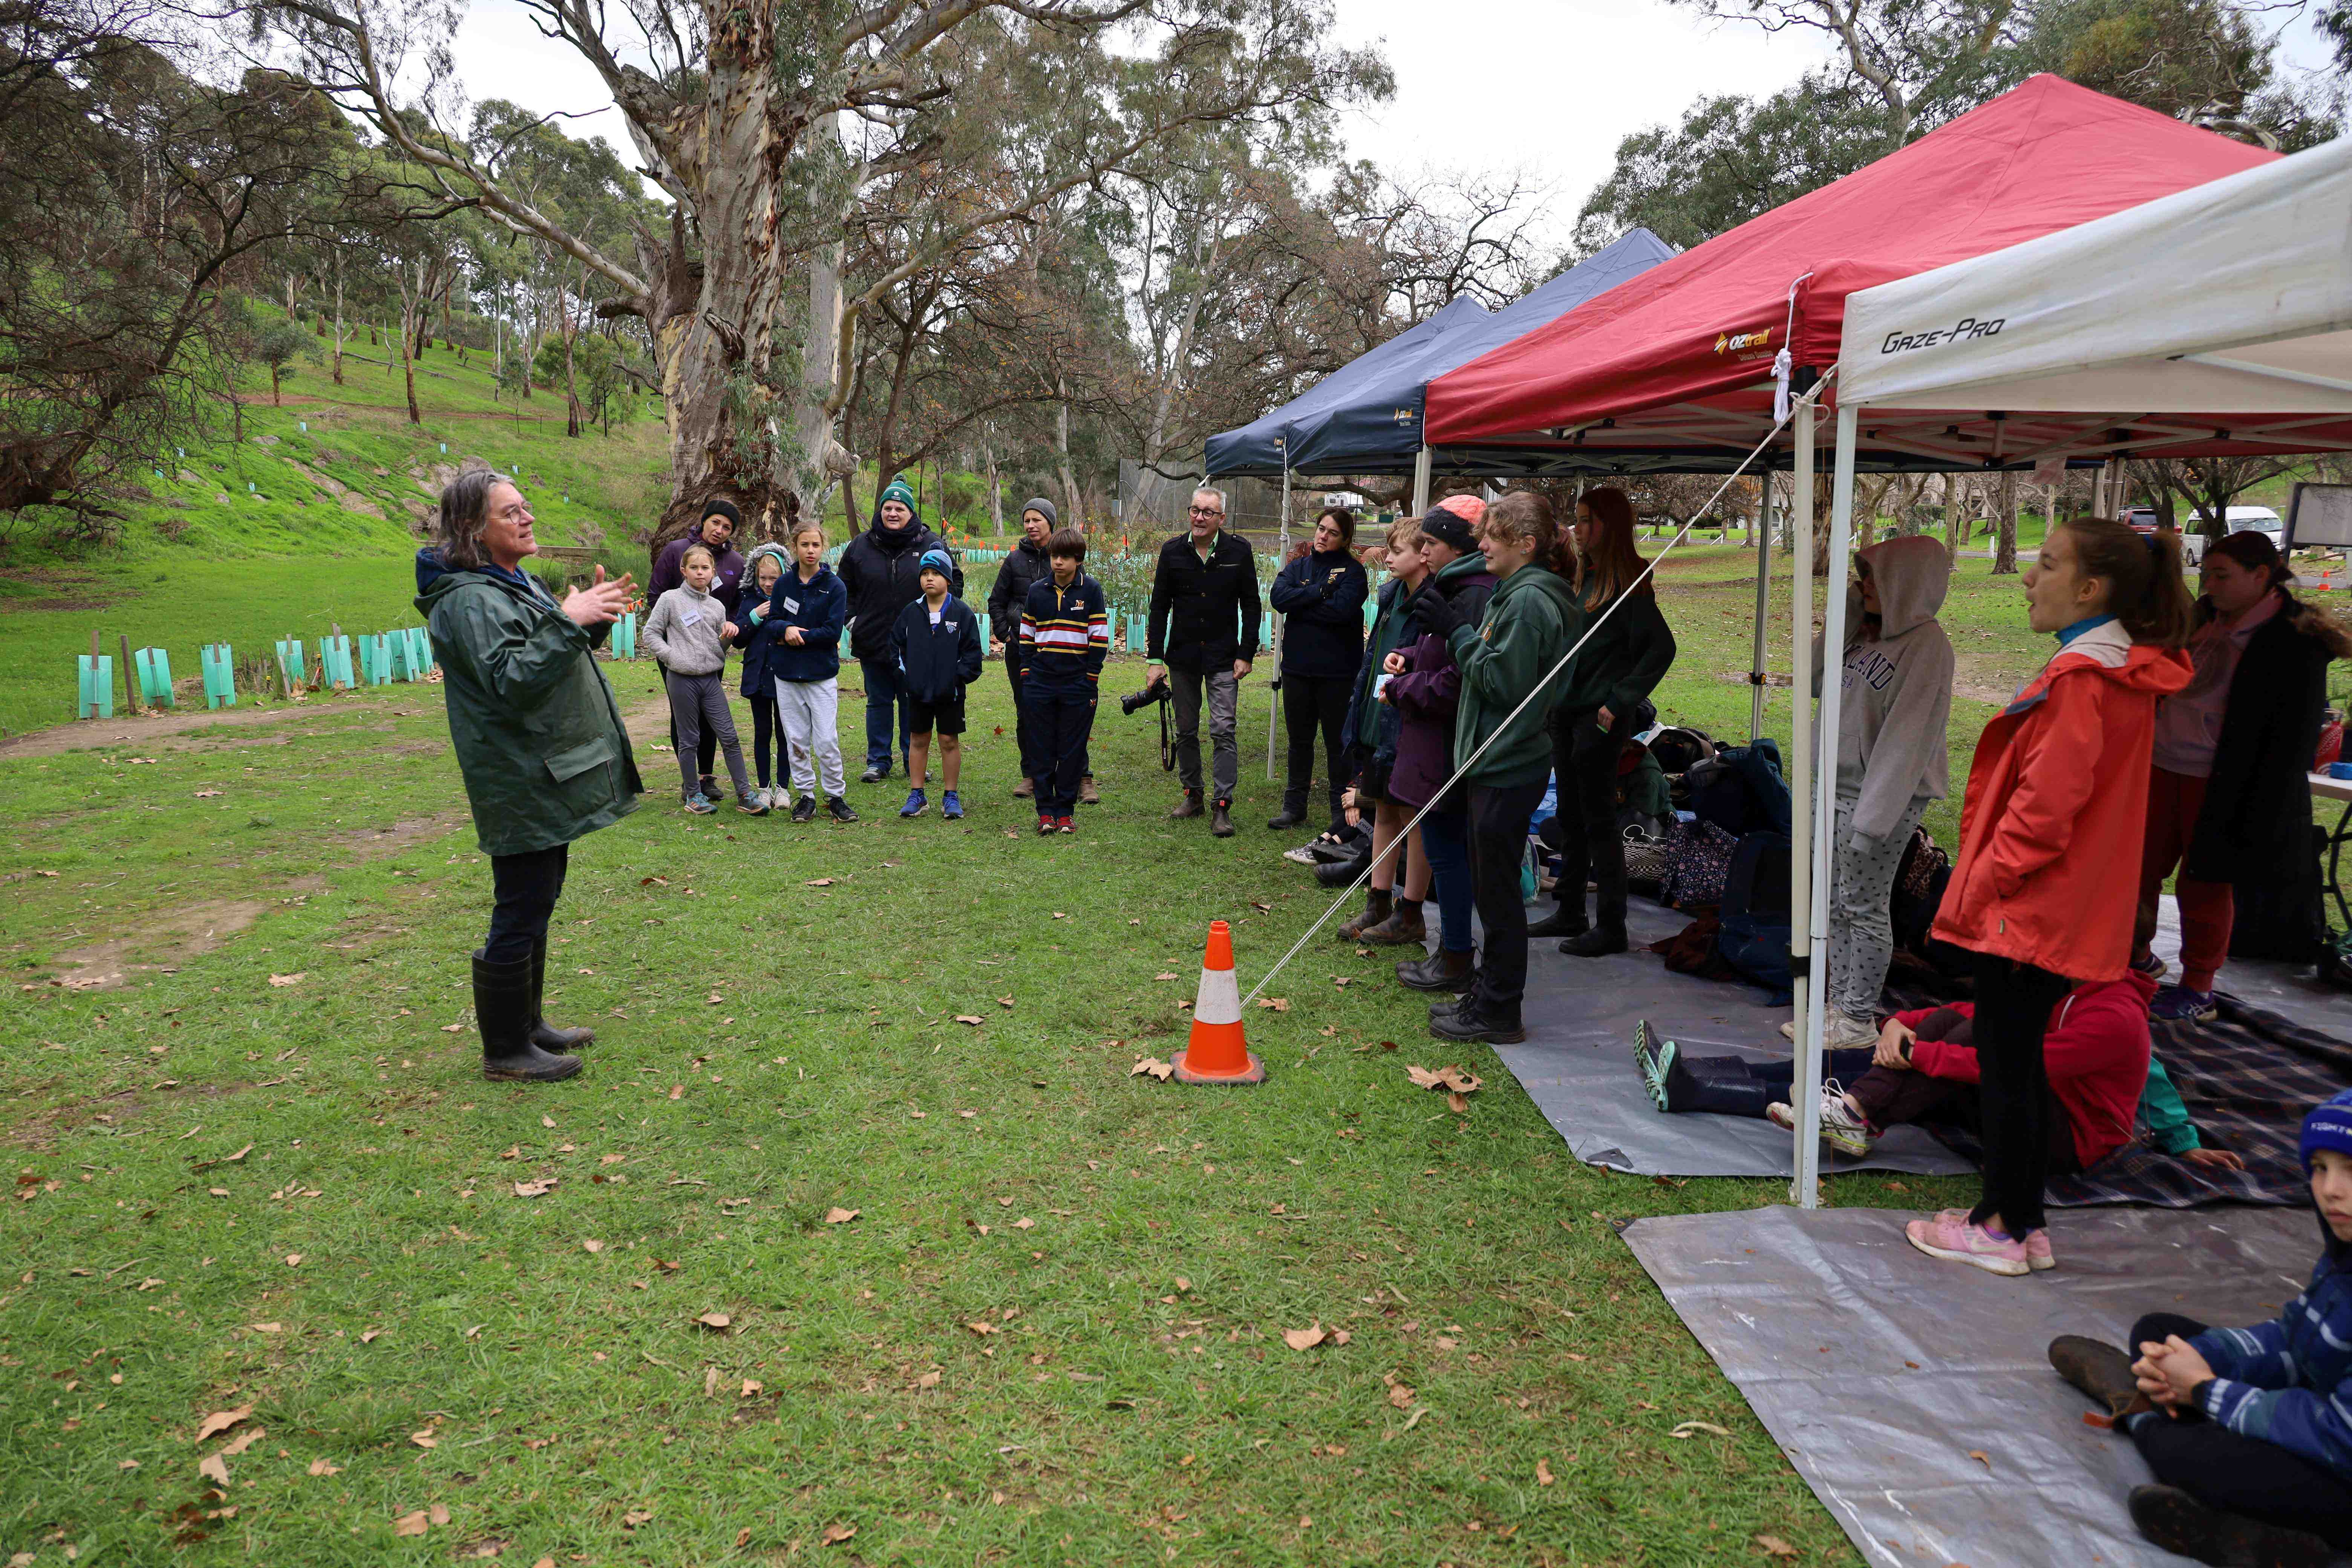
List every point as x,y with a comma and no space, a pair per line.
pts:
256,1169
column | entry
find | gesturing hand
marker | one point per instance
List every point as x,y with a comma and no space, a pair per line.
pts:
600,603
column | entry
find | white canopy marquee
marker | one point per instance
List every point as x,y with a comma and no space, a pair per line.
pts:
2214,321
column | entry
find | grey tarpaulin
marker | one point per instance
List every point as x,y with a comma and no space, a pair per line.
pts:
1882,1371
2294,991
1578,1065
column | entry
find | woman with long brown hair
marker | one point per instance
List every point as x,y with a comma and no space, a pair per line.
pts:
1624,660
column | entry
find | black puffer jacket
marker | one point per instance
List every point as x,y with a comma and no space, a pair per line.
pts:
882,570
1025,566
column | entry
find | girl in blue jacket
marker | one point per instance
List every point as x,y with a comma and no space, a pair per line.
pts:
2248,1430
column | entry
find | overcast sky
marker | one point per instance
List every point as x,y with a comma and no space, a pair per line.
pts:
1542,87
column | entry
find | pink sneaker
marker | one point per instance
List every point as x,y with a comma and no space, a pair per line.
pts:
2038,1256
1950,1235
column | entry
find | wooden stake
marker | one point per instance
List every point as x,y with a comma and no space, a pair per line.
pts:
130,678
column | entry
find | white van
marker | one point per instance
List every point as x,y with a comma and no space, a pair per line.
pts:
2242,520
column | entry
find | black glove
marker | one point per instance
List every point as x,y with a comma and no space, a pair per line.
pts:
1435,613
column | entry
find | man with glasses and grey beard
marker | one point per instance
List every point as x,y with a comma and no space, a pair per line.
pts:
1203,640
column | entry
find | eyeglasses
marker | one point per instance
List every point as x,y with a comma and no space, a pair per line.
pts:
1208,512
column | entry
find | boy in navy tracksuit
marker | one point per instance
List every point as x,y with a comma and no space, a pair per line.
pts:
1065,636
938,651
2249,1431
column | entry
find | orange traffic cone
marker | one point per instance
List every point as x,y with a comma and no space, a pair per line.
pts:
1217,1052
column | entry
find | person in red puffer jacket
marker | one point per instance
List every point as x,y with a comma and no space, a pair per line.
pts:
2043,891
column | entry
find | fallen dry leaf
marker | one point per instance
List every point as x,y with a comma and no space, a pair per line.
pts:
929,1380
972,1018
1775,1547
453,1029
840,1215
1457,1104
1275,1004
221,1421
293,1260
1689,1428
424,1439
1152,1066
743,1538
835,1534
325,1468
818,882
715,1321
368,1335
635,1517
410,1523
1305,1338
538,1189
1004,1001
1978,1454
1544,1476
1167,974
288,979
982,1327
242,1441
1025,1223
266,1327
1401,1394
1060,916
214,1469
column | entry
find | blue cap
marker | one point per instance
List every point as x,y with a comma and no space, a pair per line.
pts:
2329,1126
938,560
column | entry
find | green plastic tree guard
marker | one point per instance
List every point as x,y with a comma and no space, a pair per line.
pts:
375,660
289,659
97,699
335,663
155,677
1135,633
220,674
420,650
396,661
624,640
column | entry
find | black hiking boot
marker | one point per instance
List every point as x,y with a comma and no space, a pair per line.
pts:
1339,873
1597,943
1440,970
1221,819
1292,813
1472,1022
1188,807
502,1011
544,1035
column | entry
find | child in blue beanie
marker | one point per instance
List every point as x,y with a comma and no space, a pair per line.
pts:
935,640
2248,1430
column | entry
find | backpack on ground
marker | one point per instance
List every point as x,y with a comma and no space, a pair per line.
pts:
1754,936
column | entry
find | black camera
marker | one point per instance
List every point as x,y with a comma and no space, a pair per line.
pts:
1157,691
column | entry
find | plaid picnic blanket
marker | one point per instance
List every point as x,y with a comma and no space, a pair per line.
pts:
2247,1079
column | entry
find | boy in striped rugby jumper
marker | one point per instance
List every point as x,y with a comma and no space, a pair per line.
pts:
1065,636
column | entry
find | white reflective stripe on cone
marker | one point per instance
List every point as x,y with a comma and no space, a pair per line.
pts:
1220,1001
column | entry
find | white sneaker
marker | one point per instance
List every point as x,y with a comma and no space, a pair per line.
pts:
1841,1129
1842,1031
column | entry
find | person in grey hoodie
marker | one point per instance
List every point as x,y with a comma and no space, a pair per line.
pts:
688,632
1896,705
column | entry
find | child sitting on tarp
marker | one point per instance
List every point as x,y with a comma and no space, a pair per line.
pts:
2249,1431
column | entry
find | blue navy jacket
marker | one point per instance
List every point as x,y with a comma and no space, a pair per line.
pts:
820,608
2289,1381
936,662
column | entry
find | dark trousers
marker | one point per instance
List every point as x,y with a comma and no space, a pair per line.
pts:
885,696
1445,837
1498,846
1312,702
1021,724
2238,1474
1060,721
1734,1086
523,889
767,736
2014,1003
1584,768
706,750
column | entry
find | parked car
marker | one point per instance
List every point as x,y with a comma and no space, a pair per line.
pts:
2242,520
2142,518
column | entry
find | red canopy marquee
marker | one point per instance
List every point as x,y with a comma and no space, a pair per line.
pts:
1674,369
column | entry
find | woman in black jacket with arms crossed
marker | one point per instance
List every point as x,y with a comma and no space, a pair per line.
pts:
1320,592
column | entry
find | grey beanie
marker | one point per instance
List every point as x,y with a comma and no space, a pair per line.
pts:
1041,505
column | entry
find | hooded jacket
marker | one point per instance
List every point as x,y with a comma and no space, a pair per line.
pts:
2056,809
1625,657
538,736
2289,1381
1025,565
685,632
753,636
1371,726
1529,622
820,608
937,662
1321,599
2097,1050
1897,702
882,570
1427,696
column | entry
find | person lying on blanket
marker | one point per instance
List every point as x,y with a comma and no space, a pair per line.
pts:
2249,1431
1923,1068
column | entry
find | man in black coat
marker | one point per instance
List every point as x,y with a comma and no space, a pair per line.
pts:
882,569
1025,566
1205,583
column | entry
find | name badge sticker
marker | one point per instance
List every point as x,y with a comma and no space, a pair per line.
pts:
793,605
